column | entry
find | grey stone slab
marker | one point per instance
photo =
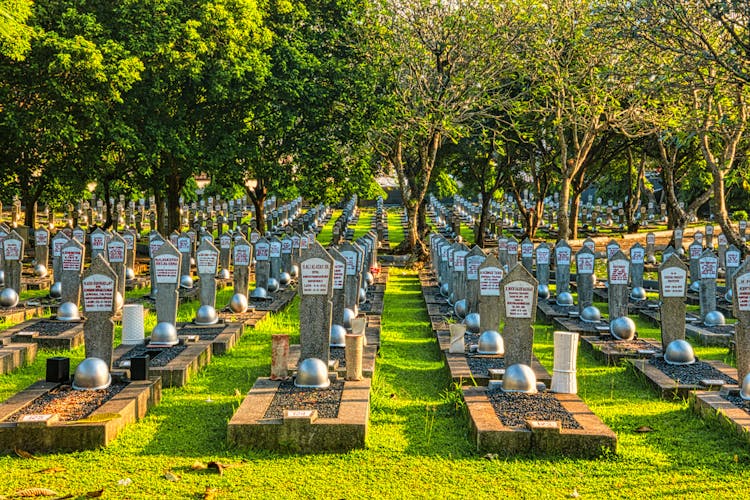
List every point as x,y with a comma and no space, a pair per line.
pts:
72,255
637,262
241,260
519,301
563,256
585,263
673,285
490,304
116,256
207,262
167,271
709,271
315,309
13,248
741,310
474,260
542,263
99,288
618,269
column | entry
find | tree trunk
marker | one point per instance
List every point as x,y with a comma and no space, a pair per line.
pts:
258,196
175,183
107,207
29,216
575,200
563,216
481,229
721,214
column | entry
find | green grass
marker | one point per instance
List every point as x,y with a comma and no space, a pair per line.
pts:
326,233
395,229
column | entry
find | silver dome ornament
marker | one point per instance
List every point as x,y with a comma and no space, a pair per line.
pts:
186,282
272,285
679,352
564,299
206,315
68,311
8,298
55,291
519,378
622,328
312,373
491,342
452,299
714,318
542,291
338,336
444,288
40,270
745,388
192,261
594,281
223,274
651,259
238,303
349,316
2,277
129,273
591,314
285,278
695,286
681,252
729,295
294,271
369,278
362,296
164,334
638,293
460,308
92,374
119,301
259,293
472,322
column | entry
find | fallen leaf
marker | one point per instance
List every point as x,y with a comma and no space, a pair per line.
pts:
69,495
198,466
51,470
574,494
171,476
95,494
237,393
210,493
644,428
490,456
36,492
23,454
126,481
218,466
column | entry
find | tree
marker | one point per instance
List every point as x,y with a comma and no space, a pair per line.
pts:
15,34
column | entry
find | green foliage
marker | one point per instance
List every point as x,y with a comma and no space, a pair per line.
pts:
15,34
739,215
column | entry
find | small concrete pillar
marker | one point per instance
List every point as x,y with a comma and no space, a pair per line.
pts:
457,338
279,357
564,371
353,352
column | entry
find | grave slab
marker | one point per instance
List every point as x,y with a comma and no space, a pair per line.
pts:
462,373
611,351
222,336
16,355
669,388
713,405
192,357
47,333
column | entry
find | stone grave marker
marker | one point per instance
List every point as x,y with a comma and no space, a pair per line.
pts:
743,229
130,238
527,254
350,252
562,266
722,242
337,298
315,307
542,263
173,237
502,250
185,247
286,253
241,258
79,235
618,269
71,255
275,257
58,241
474,259
695,250
13,246
709,269
295,248
732,261
651,247
98,240
612,248
710,236
667,252
116,256
254,238
672,293
741,311
262,263
41,246
99,288
678,233
167,270
512,252
588,242
207,261
585,262
637,260
459,271
155,242
490,305
225,251
519,297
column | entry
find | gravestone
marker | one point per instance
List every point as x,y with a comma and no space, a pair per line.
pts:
41,246
612,248
741,311
241,259
225,251
207,261
286,253
490,305
130,237
651,247
585,262
637,259
459,271
667,252
542,263
185,247
262,250
58,241
710,236
115,256
167,270
562,267
695,251
743,229
13,246
732,261
678,233
155,242
618,269
722,241
351,252
98,240
512,252
527,254
99,287
275,257
71,255
337,299
588,242
79,235
672,293
709,269
315,307
474,259
502,251
519,297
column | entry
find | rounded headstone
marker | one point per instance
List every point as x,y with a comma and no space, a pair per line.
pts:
312,373
519,378
679,352
622,328
92,374
491,342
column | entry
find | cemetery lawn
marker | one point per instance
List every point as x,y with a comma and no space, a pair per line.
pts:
418,444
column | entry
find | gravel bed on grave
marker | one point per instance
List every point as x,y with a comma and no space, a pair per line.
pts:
289,397
625,345
68,403
561,309
514,408
690,374
51,328
479,364
339,353
165,355
202,332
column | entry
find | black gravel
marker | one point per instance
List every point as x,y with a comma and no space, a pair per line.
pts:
690,374
737,401
289,397
159,356
50,328
68,403
514,408
202,332
480,364
339,354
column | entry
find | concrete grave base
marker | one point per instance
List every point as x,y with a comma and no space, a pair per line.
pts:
546,312
668,388
461,371
249,318
711,405
303,432
18,314
372,330
369,355
137,283
491,436
70,336
718,336
278,301
612,352
178,371
222,343
34,283
94,431
15,355
574,324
